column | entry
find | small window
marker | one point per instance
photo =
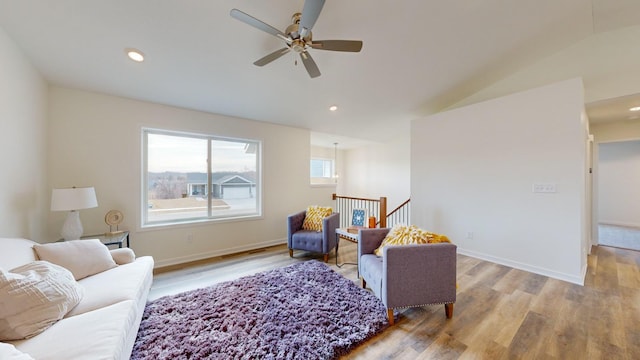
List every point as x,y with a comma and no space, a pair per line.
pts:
192,177
321,168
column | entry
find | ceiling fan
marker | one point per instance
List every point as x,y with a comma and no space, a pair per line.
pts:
298,37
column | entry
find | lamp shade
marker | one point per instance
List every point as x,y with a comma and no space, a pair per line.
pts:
73,199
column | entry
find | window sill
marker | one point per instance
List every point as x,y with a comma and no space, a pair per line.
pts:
323,185
197,222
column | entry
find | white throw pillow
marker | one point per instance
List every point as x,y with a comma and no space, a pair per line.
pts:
82,257
9,352
33,297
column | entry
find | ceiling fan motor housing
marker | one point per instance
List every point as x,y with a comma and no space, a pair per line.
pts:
297,44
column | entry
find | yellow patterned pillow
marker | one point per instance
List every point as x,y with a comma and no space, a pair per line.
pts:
406,235
314,216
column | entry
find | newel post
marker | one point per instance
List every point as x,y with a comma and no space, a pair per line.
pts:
383,212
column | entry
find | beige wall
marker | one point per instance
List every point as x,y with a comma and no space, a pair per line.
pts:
472,176
379,170
616,131
24,199
96,141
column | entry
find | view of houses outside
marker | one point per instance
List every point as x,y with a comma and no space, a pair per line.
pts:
177,178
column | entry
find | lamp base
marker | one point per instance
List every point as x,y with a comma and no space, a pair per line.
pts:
72,228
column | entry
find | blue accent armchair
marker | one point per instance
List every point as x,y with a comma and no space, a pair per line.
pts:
408,275
319,242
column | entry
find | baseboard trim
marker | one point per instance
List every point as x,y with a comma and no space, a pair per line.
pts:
619,223
216,253
526,267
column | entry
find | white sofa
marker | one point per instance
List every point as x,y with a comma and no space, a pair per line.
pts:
105,323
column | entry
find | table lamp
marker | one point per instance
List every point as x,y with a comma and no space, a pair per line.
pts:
72,200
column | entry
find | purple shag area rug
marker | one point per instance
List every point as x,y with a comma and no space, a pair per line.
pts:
302,311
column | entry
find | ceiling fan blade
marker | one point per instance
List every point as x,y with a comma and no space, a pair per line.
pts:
258,24
310,13
309,64
273,56
338,45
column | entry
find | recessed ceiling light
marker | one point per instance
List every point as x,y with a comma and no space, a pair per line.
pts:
636,108
333,107
135,55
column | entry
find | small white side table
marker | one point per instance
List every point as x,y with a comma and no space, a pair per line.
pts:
110,239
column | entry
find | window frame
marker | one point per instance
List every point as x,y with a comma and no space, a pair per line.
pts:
330,180
324,160
210,217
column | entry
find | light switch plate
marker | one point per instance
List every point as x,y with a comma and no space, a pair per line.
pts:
544,188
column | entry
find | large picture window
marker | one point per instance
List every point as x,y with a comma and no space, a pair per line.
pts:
193,177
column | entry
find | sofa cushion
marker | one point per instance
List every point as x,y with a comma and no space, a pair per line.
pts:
130,282
33,297
314,216
9,352
307,240
16,252
105,333
82,257
409,235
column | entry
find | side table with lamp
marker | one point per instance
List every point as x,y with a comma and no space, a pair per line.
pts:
111,239
78,198
114,236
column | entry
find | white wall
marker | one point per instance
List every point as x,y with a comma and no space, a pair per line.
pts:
473,170
604,133
24,199
619,180
378,170
96,141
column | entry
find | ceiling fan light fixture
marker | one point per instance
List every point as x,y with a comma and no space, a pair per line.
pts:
333,107
635,108
135,54
298,36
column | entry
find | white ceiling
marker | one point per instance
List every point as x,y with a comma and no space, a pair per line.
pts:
418,57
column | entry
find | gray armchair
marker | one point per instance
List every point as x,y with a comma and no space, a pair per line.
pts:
320,242
408,275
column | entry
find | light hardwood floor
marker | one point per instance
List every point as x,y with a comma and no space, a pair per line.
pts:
500,313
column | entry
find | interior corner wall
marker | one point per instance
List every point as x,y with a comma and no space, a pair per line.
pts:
24,199
96,141
473,170
378,170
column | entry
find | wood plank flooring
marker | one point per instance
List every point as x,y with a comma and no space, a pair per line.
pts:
500,313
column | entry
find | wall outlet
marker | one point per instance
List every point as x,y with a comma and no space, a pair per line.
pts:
469,235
